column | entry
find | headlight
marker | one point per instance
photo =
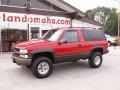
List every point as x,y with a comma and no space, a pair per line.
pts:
24,56
23,51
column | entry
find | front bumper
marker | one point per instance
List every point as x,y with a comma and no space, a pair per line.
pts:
21,61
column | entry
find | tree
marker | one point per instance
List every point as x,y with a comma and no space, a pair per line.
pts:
112,23
106,16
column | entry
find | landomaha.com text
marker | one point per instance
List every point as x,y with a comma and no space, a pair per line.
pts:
30,19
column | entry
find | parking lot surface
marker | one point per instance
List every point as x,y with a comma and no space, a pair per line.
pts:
68,76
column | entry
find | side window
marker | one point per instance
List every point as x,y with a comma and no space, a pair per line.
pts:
70,36
93,35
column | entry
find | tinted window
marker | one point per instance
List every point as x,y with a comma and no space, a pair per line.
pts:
93,34
13,2
70,36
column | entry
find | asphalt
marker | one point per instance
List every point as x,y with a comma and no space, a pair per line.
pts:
68,76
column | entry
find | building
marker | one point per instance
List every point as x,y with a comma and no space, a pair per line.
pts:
23,20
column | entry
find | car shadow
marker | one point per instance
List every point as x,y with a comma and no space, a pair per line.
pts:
71,67
64,70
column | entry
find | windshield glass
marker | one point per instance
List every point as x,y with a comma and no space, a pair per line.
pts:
52,35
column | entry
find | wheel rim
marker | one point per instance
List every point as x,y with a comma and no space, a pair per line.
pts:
97,60
43,68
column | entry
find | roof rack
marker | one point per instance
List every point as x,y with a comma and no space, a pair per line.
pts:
75,27
82,27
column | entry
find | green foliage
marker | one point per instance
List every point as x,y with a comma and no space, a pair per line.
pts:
106,16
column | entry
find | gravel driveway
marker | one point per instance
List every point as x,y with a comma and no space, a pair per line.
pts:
68,76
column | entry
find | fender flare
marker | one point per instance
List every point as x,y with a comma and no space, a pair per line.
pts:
46,50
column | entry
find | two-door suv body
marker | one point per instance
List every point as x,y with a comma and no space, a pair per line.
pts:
61,45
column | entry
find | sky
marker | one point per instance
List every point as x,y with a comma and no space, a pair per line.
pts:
84,5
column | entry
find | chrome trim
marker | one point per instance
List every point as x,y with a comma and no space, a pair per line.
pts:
19,52
43,68
97,60
22,59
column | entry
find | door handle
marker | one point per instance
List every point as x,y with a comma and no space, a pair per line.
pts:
80,45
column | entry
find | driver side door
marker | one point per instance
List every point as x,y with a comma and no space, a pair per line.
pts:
69,47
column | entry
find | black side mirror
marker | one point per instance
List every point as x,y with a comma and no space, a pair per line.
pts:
63,41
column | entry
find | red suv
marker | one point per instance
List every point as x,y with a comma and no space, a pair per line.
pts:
62,45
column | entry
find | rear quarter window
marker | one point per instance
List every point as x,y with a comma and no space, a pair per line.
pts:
93,35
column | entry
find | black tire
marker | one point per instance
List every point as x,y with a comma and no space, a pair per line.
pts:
75,61
114,44
36,70
92,59
28,66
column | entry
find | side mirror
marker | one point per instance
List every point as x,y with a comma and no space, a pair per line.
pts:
62,41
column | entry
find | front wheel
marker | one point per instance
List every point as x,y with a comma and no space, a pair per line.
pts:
95,60
42,67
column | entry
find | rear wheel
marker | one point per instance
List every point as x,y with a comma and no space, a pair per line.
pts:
95,60
42,67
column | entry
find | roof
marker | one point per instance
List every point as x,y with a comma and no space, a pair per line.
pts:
67,7
69,11
79,15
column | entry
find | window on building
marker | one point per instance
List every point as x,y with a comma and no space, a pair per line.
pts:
4,2
40,4
12,33
11,37
20,3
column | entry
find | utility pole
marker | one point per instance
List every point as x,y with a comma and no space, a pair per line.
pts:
0,35
118,24
28,7
51,8
8,1
118,1
118,18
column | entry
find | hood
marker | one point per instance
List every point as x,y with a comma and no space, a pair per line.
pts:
32,42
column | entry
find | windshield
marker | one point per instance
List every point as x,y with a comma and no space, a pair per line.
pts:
52,35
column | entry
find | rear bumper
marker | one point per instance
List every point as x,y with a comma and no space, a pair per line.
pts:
21,61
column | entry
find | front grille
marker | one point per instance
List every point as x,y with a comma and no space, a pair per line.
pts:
16,52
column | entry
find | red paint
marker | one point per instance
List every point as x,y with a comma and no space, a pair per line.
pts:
64,49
